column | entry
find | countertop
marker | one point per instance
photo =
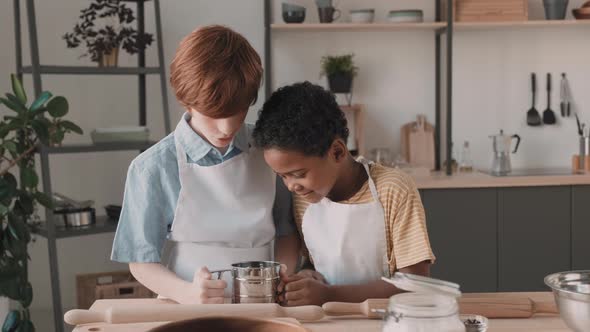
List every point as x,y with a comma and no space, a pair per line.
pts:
539,323
439,180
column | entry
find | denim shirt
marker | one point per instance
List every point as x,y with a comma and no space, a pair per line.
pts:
153,186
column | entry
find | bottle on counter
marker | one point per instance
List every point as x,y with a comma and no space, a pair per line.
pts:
466,163
431,305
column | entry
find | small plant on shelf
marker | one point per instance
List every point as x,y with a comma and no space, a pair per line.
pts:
106,27
42,122
340,71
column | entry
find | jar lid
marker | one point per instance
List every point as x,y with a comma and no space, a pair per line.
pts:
424,285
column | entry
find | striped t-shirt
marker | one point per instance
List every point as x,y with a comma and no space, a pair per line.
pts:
404,224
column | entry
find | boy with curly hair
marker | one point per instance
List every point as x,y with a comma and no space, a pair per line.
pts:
359,221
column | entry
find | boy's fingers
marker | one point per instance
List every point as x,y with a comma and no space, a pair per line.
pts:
215,284
294,277
283,272
214,300
295,295
296,285
281,286
296,303
214,292
203,273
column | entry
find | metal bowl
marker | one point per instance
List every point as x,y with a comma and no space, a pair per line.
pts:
77,217
230,324
572,295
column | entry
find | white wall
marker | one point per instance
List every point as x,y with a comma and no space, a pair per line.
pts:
491,78
97,101
395,81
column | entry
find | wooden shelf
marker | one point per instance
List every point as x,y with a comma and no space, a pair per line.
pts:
103,147
82,70
520,24
357,26
351,27
103,225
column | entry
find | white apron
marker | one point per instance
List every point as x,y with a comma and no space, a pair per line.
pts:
223,215
347,241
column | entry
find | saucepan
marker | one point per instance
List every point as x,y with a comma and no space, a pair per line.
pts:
254,281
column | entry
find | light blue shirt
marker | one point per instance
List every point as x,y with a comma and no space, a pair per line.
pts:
153,186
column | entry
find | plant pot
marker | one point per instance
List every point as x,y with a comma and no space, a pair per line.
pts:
340,82
109,59
555,9
4,308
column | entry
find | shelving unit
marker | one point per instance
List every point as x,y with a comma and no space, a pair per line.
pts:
49,229
444,30
440,28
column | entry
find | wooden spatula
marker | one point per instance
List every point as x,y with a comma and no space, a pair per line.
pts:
491,307
166,313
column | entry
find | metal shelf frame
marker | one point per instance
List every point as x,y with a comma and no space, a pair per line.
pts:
443,30
49,229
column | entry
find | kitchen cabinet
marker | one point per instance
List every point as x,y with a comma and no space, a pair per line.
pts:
534,235
462,225
581,228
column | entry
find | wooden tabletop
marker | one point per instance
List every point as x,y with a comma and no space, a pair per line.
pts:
439,180
539,323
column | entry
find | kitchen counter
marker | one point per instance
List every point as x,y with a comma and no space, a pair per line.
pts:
439,180
539,323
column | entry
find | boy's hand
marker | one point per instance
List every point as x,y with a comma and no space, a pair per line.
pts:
203,290
302,290
308,273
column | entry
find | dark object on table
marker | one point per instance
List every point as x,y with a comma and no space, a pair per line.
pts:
113,211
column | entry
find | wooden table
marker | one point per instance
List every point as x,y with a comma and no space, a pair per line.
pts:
539,323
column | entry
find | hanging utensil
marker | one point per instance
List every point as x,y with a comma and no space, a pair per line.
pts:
580,131
565,97
548,114
533,118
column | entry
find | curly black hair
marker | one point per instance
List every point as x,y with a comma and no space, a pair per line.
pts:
302,117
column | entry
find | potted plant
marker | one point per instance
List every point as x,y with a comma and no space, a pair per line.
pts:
340,70
105,27
20,134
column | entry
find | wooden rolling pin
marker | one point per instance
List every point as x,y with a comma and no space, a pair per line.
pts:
512,306
167,313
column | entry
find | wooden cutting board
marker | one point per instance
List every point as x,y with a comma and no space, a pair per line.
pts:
417,143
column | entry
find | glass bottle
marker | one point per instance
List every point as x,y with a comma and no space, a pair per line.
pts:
466,163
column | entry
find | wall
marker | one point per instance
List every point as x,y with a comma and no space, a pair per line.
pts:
491,78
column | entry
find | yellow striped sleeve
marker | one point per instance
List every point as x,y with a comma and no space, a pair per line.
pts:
405,221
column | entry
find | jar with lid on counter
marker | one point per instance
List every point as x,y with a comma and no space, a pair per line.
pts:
430,305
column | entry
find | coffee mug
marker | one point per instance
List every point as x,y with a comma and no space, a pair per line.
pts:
328,14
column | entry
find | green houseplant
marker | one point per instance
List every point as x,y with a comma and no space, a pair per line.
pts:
340,70
21,131
104,28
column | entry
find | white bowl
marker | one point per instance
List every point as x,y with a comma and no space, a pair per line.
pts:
405,16
362,16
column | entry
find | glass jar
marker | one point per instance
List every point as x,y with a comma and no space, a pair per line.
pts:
430,305
413,312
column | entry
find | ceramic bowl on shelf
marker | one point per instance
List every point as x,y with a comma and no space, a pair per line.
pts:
293,13
406,16
362,15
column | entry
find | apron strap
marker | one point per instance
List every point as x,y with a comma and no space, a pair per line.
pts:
372,186
181,156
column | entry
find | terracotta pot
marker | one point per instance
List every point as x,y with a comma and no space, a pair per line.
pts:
230,324
109,59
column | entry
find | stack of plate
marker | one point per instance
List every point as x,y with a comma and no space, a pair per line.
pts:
406,16
120,134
